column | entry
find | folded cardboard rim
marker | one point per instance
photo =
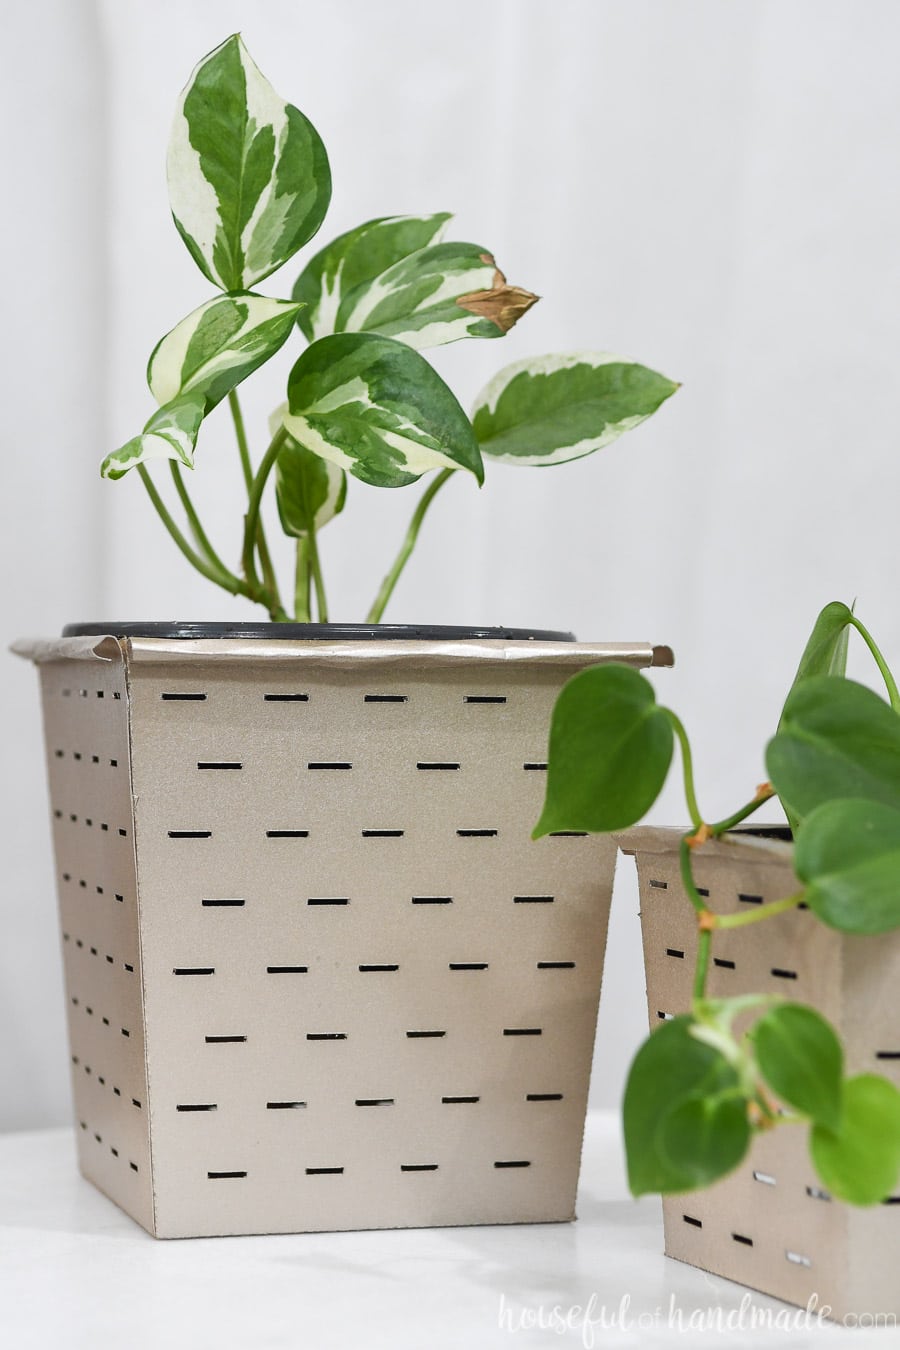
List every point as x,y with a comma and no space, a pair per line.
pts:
185,630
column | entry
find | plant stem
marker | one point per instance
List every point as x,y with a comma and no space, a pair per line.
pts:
220,577
240,432
301,582
256,588
315,568
196,528
704,947
265,559
688,769
409,543
723,826
687,876
882,665
761,912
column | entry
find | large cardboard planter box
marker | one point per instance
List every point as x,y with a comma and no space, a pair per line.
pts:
318,975
770,1225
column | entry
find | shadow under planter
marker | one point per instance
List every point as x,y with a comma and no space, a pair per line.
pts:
770,1224
318,975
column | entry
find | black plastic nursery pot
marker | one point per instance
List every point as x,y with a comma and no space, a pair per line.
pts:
318,974
770,1224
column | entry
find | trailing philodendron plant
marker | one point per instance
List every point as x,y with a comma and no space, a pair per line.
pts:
249,185
698,1090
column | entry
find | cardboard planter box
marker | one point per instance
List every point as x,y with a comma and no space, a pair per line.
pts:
770,1225
318,975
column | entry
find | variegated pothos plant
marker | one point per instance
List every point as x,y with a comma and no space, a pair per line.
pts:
249,185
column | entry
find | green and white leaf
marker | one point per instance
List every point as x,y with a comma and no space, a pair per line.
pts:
249,181
550,409
310,491
376,408
353,260
437,295
171,433
217,346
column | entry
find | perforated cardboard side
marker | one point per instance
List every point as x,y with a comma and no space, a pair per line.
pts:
770,1225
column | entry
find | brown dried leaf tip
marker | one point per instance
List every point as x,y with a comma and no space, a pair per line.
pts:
502,305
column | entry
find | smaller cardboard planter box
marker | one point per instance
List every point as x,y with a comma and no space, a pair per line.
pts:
770,1224
318,974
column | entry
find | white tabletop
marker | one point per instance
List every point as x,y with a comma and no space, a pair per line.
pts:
76,1272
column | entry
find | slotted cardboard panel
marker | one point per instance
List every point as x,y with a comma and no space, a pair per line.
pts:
346,989
769,1225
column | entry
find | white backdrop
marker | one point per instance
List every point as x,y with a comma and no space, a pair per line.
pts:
709,187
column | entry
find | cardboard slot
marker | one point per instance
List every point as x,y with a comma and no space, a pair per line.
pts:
196,1106
225,1176
285,1106
432,900
478,834
533,899
459,1101
485,698
385,969
513,1162
543,1096
468,965
183,698
437,768
425,1035
535,768
324,1171
382,834
285,698
742,1238
287,970
385,698
556,965
522,1031
374,1101
782,974
418,1167
224,1040
287,834
695,1223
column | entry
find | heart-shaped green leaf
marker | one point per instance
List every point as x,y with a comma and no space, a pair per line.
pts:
437,295
171,433
376,408
801,1059
310,491
848,852
610,750
217,346
860,1162
704,1138
837,739
249,181
826,651
550,409
671,1068
353,261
